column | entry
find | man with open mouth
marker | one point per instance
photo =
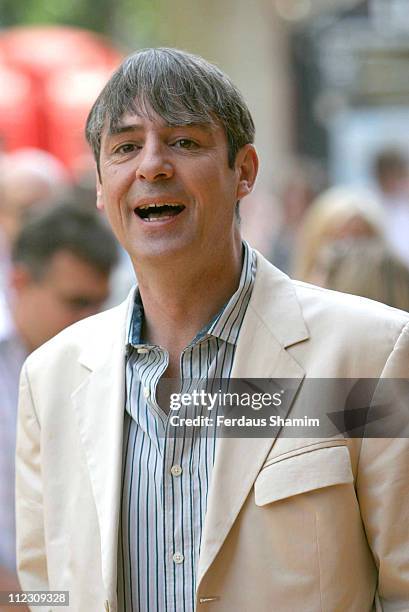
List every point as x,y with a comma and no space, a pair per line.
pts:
114,506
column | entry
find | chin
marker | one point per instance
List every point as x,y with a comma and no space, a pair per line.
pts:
162,250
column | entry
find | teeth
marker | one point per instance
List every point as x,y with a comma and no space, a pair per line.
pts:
152,218
147,206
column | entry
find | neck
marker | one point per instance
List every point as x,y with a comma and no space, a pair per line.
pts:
179,300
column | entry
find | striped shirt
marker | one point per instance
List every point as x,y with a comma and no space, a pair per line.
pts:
166,477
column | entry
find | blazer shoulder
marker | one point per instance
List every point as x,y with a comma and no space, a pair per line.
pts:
352,308
358,333
313,320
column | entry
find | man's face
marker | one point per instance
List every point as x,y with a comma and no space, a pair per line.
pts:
69,290
168,191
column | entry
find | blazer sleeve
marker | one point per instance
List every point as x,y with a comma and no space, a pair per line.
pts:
383,492
31,554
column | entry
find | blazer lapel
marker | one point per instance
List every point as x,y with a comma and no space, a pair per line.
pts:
272,323
99,407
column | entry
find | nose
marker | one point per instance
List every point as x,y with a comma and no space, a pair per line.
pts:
153,163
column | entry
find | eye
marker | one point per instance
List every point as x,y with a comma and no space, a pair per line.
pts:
185,143
127,147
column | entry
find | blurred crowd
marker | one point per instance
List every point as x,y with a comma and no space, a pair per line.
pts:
340,237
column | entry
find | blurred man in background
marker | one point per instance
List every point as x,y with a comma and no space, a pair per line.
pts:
29,179
61,263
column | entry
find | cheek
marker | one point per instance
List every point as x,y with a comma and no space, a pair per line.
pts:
215,186
51,310
119,195
46,306
38,303
113,186
46,317
59,317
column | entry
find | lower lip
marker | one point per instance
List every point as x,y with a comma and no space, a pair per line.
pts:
159,222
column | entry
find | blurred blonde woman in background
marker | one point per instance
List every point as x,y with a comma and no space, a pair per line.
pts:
337,214
367,268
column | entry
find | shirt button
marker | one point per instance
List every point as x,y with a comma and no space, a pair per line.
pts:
146,392
176,470
178,557
143,350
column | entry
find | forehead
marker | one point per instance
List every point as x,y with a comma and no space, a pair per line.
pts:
142,116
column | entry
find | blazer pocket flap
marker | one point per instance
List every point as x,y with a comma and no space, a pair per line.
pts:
315,469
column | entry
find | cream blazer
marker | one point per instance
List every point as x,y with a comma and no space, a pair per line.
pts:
292,525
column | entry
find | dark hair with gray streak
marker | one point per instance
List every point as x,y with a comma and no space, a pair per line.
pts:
181,88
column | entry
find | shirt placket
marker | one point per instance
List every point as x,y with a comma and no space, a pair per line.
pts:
179,517
149,378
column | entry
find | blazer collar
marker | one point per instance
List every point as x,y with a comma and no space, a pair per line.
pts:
107,332
275,302
98,404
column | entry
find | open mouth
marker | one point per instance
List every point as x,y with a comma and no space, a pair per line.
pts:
159,212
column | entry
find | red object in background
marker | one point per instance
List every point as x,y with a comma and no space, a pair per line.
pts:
39,51
18,111
68,98
63,70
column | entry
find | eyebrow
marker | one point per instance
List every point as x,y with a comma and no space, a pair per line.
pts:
121,128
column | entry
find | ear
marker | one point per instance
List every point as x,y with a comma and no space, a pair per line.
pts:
247,167
20,278
100,202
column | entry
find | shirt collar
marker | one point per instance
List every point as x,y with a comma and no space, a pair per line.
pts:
226,324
